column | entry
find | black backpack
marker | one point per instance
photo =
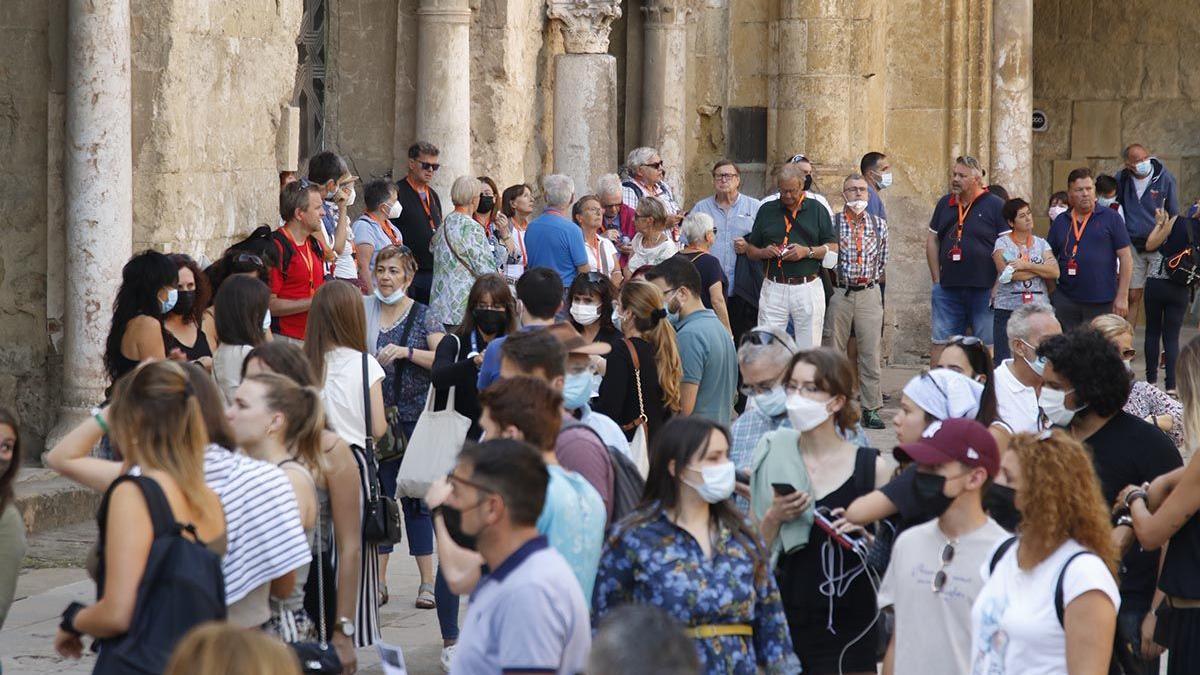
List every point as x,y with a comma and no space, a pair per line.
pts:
182,587
628,484
1123,660
1183,267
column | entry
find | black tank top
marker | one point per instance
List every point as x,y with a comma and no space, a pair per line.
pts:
1178,577
197,350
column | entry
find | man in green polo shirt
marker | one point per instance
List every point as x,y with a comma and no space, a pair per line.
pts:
792,235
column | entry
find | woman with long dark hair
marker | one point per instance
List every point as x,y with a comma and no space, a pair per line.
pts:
184,330
517,205
967,355
591,307
690,552
243,321
12,526
148,292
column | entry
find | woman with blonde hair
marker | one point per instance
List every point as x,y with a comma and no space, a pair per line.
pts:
652,244
221,649
1145,400
461,254
1065,543
648,340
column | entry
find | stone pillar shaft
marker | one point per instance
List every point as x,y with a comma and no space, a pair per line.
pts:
444,87
664,85
1012,96
99,192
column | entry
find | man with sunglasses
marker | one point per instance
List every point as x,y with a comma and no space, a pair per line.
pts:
646,174
420,214
934,574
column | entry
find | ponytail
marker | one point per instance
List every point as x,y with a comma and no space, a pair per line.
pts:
305,414
644,301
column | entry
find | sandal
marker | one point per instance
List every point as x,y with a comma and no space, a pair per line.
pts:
425,598
383,595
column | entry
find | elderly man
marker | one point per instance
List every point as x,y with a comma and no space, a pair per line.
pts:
876,168
1095,260
805,165
552,240
733,216
420,214
958,249
856,302
646,173
618,216
763,356
792,235
1143,186
1018,380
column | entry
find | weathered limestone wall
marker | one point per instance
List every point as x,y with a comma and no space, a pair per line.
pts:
1113,73
361,84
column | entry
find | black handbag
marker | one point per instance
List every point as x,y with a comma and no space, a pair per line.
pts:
391,447
319,656
381,513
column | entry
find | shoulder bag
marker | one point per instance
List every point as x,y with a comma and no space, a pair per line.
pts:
319,656
637,447
1183,268
394,442
434,444
381,514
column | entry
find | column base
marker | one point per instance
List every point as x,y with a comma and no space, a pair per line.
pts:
69,417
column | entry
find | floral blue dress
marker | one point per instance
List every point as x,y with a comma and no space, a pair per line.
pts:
659,563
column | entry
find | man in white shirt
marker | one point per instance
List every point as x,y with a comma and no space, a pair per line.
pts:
934,574
1019,379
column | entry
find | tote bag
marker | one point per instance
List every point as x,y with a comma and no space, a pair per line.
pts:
434,445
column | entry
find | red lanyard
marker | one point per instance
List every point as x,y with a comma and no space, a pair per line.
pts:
1078,228
858,227
305,255
962,215
787,229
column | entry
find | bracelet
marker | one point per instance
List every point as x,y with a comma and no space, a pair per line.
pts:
1134,496
100,422
410,353
1126,520
68,618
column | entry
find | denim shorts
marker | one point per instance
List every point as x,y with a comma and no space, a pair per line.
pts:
957,311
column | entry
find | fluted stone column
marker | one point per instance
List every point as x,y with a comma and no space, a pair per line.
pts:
444,87
99,191
664,84
1012,96
585,91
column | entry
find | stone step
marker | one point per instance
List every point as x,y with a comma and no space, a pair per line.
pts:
47,500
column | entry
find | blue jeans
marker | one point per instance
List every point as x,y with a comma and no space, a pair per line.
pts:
1000,335
957,310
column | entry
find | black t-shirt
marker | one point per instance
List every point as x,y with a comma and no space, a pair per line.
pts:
710,271
982,224
415,225
618,390
1130,451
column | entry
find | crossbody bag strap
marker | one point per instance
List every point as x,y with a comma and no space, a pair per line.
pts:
450,245
408,324
368,439
637,376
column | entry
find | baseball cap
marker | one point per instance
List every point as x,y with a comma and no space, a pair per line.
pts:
954,440
574,343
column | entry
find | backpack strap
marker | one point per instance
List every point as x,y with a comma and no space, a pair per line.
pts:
161,517
637,189
1059,610
1000,551
864,470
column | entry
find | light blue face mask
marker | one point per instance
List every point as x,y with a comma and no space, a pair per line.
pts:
1038,365
616,321
577,389
673,317
772,403
169,304
1143,168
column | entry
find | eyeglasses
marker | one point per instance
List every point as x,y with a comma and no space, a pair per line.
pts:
752,390
430,166
655,165
593,209
942,576
458,479
724,176
612,206
761,338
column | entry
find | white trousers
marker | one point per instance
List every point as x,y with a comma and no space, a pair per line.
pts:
802,304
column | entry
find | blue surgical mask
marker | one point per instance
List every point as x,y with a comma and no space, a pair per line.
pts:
392,299
1038,365
267,320
616,320
772,403
577,389
1143,168
673,317
169,304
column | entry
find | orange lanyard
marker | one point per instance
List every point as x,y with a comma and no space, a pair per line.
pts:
1078,228
598,250
787,229
388,230
962,215
1025,249
423,194
858,227
305,255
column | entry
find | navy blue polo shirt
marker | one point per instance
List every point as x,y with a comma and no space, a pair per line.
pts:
982,224
1095,279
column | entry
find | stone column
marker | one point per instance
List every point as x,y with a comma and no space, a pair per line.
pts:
1012,96
585,93
99,191
444,87
664,84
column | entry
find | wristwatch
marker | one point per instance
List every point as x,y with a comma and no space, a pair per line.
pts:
344,626
68,618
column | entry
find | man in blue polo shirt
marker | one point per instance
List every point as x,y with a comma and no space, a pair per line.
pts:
552,240
958,249
1143,186
1089,243
527,613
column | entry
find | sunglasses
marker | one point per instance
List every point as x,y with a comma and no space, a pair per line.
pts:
430,166
761,338
942,576
656,165
965,340
249,259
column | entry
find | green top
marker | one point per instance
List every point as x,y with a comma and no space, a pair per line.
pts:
777,460
12,551
812,227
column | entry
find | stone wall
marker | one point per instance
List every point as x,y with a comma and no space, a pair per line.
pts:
1110,74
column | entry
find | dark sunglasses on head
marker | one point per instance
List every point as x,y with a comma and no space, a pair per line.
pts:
965,340
595,277
249,259
430,166
761,338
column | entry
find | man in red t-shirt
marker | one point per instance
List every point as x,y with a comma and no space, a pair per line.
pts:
300,272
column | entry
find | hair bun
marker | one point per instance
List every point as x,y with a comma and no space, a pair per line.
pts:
657,315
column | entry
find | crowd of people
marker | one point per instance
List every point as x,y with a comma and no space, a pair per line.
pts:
633,436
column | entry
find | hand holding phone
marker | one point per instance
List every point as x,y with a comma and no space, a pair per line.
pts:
783,489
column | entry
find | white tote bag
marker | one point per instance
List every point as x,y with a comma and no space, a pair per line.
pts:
638,452
433,447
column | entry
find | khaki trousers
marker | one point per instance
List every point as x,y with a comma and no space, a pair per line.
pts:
862,310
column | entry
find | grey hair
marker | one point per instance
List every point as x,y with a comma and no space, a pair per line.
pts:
790,172
853,176
422,148
778,351
654,209
696,226
608,184
642,640
1018,322
971,163
637,157
558,189
465,190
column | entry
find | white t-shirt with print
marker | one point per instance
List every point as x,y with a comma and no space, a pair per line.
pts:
1014,626
343,393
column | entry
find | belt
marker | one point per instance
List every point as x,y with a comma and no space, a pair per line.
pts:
860,287
793,281
1183,603
710,631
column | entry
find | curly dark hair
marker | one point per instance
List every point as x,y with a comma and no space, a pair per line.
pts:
1094,368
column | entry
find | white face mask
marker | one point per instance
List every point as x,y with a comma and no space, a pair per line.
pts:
1129,365
395,211
267,321
392,299
858,205
1053,404
1106,201
585,314
717,485
616,319
1056,211
352,197
806,414
885,180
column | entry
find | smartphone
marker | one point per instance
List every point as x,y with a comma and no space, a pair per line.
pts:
824,520
782,489
741,477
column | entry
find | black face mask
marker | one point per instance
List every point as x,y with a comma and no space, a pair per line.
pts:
999,504
184,303
808,182
452,517
929,488
486,204
490,321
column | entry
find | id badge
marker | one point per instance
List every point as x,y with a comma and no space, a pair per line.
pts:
1026,298
514,272
956,254
1072,268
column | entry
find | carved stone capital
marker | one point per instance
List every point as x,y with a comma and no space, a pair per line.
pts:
585,23
668,12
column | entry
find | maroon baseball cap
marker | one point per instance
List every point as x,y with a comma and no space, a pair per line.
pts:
954,440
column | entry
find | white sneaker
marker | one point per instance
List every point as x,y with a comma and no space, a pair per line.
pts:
447,657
